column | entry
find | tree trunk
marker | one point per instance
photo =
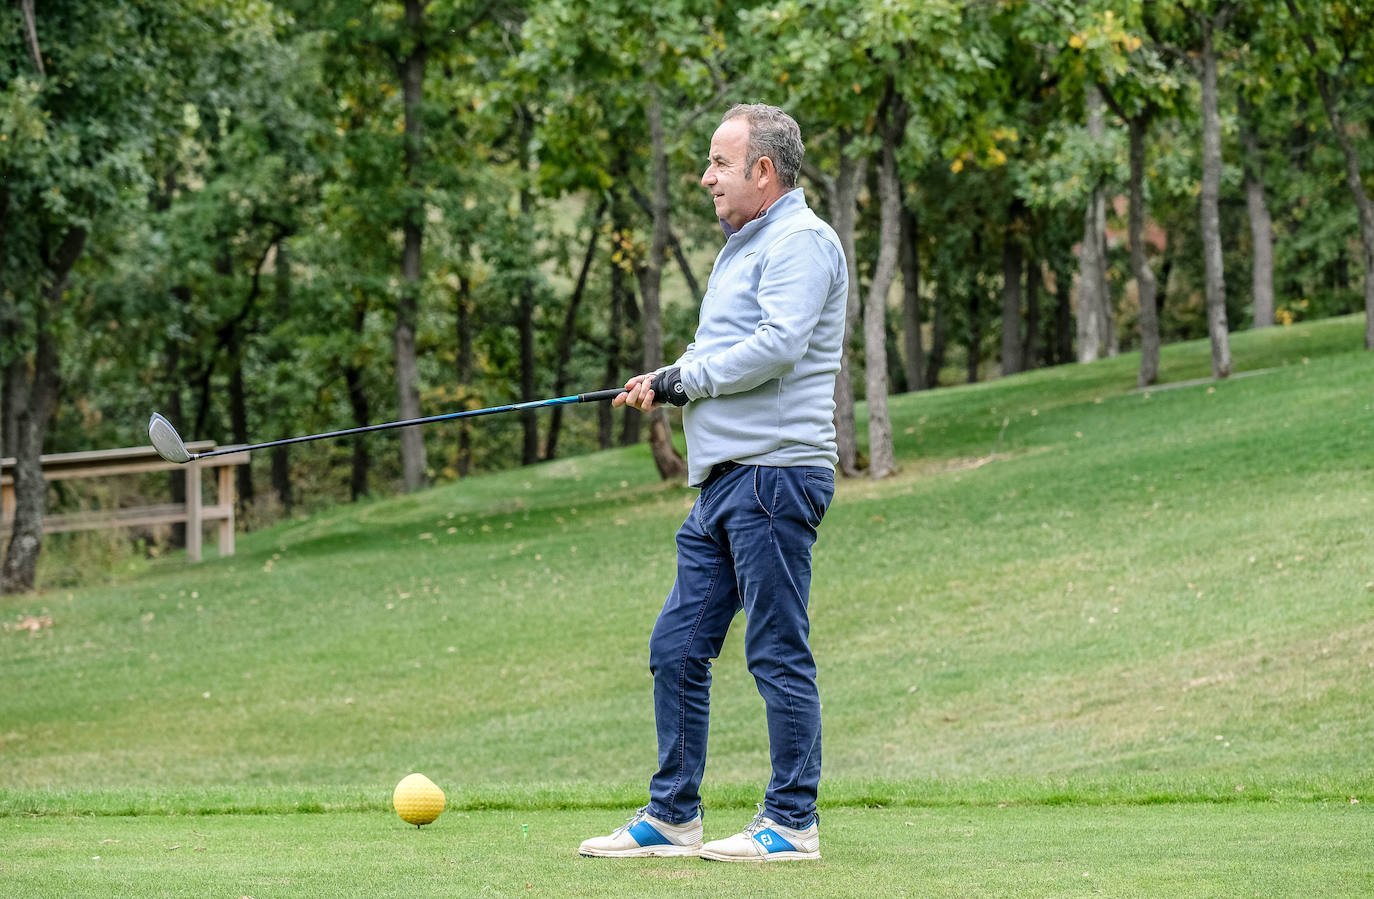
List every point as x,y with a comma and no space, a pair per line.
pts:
1013,257
631,419
9,405
974,332
1211,219
9,322
913,359
238,413
358,403
1140,263
1032,349
666,457
32,413
1062,353
845,203
565,337
975,335
281,455
1261,234
463,300
31,34
231,339
281,476
615,327
1363,205
529,418
9,384
408,304
1093,296
605,419
939,337
26,536
882,459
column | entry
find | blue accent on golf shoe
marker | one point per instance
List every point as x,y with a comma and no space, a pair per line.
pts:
772,841
646,835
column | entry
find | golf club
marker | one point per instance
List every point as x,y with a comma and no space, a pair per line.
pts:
170,446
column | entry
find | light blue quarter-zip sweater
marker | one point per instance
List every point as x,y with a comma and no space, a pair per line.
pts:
761,369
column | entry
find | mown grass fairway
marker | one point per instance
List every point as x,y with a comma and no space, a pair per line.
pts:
1297,849
1143,622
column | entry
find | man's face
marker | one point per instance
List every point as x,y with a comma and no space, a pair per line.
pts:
738,195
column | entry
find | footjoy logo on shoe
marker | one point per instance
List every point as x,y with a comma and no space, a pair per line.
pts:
772,842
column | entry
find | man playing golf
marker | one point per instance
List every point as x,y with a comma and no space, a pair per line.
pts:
758,386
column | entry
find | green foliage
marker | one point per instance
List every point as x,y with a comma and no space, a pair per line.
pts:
199,144
72,141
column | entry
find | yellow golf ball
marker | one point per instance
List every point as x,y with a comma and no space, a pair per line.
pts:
417,800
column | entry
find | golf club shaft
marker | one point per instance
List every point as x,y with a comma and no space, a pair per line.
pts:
597,396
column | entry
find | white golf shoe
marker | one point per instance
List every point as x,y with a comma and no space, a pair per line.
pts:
644,836
765,840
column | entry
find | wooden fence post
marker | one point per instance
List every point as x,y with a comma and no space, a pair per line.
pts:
193,512
226,502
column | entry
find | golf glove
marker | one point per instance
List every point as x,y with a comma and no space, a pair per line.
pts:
667,387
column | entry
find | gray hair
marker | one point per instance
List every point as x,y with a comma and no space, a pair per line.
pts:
772,133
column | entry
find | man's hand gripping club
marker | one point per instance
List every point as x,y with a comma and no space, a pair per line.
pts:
644,392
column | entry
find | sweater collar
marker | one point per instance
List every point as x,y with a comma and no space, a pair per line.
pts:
793,199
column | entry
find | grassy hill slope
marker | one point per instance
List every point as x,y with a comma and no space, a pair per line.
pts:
1072,591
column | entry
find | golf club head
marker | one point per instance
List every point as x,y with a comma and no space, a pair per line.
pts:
166,441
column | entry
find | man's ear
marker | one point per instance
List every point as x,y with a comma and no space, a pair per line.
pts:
768,173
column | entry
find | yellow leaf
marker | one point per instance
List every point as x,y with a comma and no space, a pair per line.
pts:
1076,42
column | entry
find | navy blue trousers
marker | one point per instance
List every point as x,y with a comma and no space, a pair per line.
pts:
746,544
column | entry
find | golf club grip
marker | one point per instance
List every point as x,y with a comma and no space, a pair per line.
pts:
600,396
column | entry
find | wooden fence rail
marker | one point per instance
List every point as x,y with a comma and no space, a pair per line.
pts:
195,513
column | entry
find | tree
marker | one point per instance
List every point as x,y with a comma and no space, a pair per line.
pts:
1211,20
1261,222
1335,36
1096,323
85,124
855,97
1138,86
653,69
892,118
1021,124
368,46
410,59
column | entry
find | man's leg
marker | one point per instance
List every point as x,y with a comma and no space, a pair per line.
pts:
772,557
687,636
689,633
